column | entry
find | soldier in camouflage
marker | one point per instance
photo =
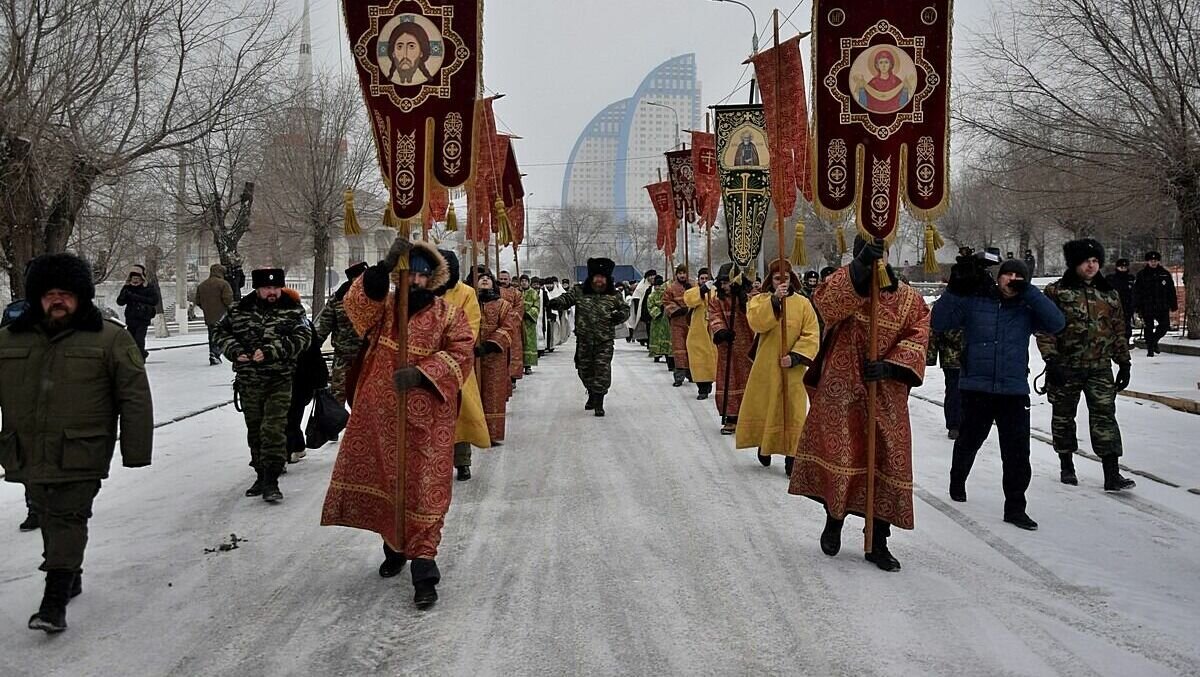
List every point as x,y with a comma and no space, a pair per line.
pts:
333,322
946,347
262,336
599,310
1079,360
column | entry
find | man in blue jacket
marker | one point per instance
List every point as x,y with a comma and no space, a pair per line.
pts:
997,318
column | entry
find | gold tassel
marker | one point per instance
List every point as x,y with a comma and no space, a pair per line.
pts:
881,275
799,251
840,232
350,221
933,242
503,232
391,220
451,219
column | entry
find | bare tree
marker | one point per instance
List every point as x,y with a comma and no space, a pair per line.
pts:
89,87
1103,84
567,237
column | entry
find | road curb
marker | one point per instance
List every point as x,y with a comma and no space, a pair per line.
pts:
1177,403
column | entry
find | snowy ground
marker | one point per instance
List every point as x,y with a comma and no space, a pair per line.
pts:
635,544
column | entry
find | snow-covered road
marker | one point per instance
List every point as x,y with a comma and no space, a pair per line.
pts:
636,544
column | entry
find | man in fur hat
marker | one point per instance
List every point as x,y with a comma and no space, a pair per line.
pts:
262,336
67,379
599,309
1079,359
333,322
400,492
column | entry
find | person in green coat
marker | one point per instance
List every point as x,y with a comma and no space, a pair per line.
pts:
660,324
598,311
70,381
531,291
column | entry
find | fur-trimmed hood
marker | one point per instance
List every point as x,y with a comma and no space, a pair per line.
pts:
441,269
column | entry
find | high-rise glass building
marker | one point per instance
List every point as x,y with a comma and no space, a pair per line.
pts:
621,149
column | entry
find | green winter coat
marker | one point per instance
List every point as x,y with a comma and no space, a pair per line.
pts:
532,301
1095,333
63,399
279,329
596,315
660,324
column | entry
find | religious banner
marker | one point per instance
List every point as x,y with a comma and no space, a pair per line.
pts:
663,199
780,74
708,187
683,184
439,204
514,193
418,65
485,178
881,112
743,165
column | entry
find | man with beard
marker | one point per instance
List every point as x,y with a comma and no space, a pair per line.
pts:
408,48
333,323
68,381
677,311
402,492
1154,294
531,297
734,340
262,337
601,310
702,353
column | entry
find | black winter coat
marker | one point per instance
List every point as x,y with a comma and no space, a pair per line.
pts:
1154,291
1123,283
141,304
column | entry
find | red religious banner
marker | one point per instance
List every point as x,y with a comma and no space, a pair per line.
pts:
708,186
663,199
513,191
481,194
683,183
439,203
418,65
882,88
780,75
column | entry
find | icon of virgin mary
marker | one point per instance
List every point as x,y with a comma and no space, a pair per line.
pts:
885,92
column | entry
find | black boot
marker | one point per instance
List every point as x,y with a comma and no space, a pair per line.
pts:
680,376
765,461
393,562
705,390
958,489
52,615
464,472
425,577
591,403
1021,521
788,463
599,405
76,586
256,489
270,485
1066,462
31,522
880,556
1113,481
831,537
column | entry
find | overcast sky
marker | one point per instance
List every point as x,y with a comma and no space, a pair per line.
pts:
560,61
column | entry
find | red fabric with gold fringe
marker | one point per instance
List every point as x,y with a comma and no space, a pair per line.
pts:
787,121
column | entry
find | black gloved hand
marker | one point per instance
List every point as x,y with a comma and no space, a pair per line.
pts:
877,371
871,252
492,348
1056,374
616,317
723,336
399,248
407,377
679,312
862,268
1018,285
1122,376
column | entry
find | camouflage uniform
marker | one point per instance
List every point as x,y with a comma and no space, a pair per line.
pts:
596,319
946,347
264,389
346,342
1093,339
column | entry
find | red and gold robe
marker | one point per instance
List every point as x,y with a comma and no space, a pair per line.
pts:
516,352
722,315
401,494
831,464
495,385
672,303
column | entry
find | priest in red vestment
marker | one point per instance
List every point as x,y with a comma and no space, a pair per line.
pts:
677,312
734,340
402,492
831,461
496,333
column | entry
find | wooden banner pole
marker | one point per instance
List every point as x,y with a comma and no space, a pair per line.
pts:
784,346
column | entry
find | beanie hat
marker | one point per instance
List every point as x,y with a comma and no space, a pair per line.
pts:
267,277
1015,266
59,271
1076,252
419,262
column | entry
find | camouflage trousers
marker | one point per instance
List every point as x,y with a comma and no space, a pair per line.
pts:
1100,392
265,407
593,361
337,376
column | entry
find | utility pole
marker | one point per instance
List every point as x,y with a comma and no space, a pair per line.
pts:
181,302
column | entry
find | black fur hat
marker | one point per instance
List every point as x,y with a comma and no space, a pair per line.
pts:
355,270
601,266
267,277
1076,252
59,271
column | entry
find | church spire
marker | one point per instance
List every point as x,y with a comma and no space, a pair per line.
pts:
305,69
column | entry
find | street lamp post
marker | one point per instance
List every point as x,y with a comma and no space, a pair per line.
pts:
675,112
754,19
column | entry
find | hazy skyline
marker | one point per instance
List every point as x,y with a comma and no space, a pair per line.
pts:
559,63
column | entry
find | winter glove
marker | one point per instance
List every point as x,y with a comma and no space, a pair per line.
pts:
862,267
492,348
616,317
798,359
407,377
1056,374
1018,286
1122,376
723,336
879,371
399,248
376,280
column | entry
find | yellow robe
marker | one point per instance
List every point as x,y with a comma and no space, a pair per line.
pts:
760,419
471,426
702,352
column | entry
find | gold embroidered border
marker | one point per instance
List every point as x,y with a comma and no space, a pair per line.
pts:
362,489
453,365
851,472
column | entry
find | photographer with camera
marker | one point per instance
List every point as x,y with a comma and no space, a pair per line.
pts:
997,318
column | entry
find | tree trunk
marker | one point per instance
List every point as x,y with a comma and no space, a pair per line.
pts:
1187,197
320,231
